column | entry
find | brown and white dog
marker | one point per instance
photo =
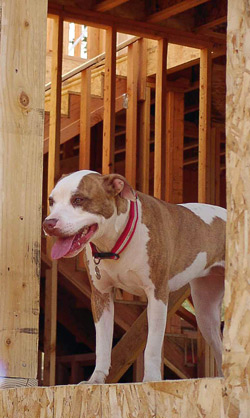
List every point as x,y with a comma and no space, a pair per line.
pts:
166,247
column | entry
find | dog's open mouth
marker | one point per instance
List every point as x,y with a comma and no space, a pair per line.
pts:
68,246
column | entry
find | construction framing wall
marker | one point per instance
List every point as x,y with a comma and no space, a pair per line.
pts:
21,141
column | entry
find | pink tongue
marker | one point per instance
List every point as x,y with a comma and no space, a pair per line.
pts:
61,247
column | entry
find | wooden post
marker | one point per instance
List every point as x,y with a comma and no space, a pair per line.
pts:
131,114
53,175
109,103
65,38
22,68
84,151
55,103
237,297
144,142
204,169
95,42
174,147
204,127
78,32
160,118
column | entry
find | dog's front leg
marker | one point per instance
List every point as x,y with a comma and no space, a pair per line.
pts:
157,316
103,312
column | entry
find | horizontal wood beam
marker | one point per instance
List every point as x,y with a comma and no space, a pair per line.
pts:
211,24
133,27
105,5
174,10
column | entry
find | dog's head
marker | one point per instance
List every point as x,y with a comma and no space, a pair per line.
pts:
80,204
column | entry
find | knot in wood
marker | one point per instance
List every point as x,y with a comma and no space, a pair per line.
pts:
24,99
8,341
26,23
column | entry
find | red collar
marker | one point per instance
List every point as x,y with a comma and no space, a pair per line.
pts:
123,240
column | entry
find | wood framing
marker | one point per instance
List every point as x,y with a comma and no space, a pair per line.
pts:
160,118
204,184
105,5
109,103
131,115
144,142
174,10
174,147
85,115
55,103
53,176
22,67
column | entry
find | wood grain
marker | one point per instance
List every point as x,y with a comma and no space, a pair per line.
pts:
22,67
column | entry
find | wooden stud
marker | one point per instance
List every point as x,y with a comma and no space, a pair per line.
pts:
160,118
55,103
174,147
131,114
144,142
95,44
65,38
174,10
53,175
85,112
109,103
78,33
204,195
22,67
142,68
50,326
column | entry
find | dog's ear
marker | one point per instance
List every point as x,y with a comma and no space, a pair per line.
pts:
116,184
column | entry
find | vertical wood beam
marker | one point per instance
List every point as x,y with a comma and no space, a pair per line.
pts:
160,117
53,175
95,41
55,103
50,325
84,151
204,191
65,38
142,68
109,103
174,147
22,69
78,32
131,114
237,297
144,142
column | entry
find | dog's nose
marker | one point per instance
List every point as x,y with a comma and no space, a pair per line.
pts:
49,225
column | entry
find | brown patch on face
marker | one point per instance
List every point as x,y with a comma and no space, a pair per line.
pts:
96,199
177,235
99,301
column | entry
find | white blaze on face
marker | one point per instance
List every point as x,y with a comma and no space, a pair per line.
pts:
65,187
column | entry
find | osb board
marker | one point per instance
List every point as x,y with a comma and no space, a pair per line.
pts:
237,290
184,398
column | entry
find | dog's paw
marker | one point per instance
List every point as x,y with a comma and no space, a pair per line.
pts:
97,377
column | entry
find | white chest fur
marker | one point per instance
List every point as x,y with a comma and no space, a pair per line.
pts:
131,272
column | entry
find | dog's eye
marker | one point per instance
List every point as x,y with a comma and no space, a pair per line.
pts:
51,201
77,201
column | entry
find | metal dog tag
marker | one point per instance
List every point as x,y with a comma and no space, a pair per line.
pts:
97,273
